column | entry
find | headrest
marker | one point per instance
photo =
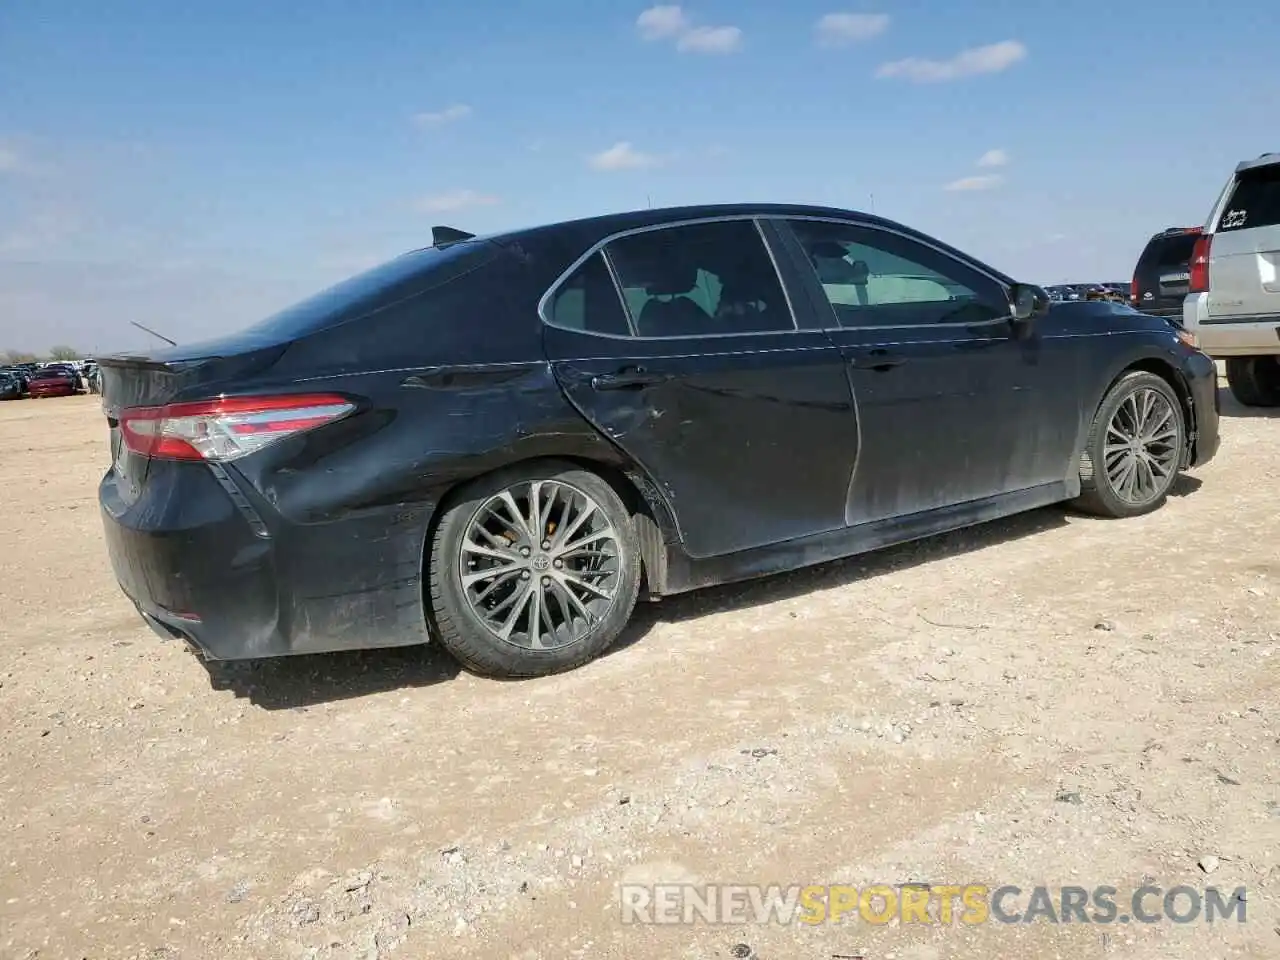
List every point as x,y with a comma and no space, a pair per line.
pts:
841,271
667,277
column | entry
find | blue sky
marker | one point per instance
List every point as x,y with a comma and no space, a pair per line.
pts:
195,166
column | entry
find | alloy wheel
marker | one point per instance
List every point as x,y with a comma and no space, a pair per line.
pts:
540,564
1141,447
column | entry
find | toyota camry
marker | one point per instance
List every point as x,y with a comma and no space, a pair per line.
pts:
503,442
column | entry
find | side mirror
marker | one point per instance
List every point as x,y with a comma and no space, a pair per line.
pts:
1027,302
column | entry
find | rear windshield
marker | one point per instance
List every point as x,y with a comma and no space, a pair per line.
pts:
1255,201
1172,251
407,275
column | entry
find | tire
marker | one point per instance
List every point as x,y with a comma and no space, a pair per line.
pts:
472,637
1106,495
1254,381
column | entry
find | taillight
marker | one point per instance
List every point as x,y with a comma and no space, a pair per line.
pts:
1199,266
226,428
1133,290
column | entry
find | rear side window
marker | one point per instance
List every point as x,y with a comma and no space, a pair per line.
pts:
714,278
588,301
1255,200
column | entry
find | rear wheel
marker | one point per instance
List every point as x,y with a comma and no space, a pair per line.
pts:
533,571
1134,450
1254,381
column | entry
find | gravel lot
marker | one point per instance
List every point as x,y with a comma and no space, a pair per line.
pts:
1047,700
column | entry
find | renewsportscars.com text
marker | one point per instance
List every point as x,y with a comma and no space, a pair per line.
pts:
941,904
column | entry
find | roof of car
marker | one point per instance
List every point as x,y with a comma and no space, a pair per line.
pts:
1266,160
597,228
631,219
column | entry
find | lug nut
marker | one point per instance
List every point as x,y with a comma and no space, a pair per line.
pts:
546,581
559,564
524,574
546,544
525,551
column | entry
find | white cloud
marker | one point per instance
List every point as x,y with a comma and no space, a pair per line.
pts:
670,22
993,158
454,200
984,182
662,22
438,118
710,40
10,162
967,63
838,29
621,156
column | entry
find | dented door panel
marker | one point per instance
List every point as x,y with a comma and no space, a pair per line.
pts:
751,439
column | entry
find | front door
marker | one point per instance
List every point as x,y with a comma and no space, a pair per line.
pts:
700,372
951,404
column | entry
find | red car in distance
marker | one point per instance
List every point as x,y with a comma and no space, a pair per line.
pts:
54,382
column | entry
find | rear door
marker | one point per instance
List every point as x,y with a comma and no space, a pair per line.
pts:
1245,265
681,345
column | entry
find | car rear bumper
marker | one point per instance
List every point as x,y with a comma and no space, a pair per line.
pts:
1234,337
215,566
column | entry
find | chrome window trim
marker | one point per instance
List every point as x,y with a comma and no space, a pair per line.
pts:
599,247
777,272
618,292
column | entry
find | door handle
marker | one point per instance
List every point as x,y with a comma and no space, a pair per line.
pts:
878,360
632,378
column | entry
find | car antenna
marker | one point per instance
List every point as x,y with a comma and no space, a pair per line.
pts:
443,236
158,336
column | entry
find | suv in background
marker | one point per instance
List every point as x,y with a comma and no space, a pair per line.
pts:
1234,302
1162,278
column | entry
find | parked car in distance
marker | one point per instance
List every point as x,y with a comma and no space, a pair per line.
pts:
11,387
1162,277
19,374
54,381
1233,304
502,442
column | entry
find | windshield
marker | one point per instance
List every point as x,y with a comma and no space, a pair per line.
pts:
404,276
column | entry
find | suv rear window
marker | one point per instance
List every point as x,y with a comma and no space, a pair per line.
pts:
1171,251
1255,200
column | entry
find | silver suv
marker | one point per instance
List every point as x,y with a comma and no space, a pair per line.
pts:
1234,302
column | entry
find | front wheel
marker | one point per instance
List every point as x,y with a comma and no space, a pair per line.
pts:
533,570
1135,447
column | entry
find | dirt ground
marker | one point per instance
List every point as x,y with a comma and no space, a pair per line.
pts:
1048,700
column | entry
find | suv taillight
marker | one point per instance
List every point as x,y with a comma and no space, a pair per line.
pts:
1199,265
226,428
1133,289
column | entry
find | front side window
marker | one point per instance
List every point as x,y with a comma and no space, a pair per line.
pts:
875,278
700,279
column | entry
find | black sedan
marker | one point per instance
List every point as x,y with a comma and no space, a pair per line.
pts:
502,442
